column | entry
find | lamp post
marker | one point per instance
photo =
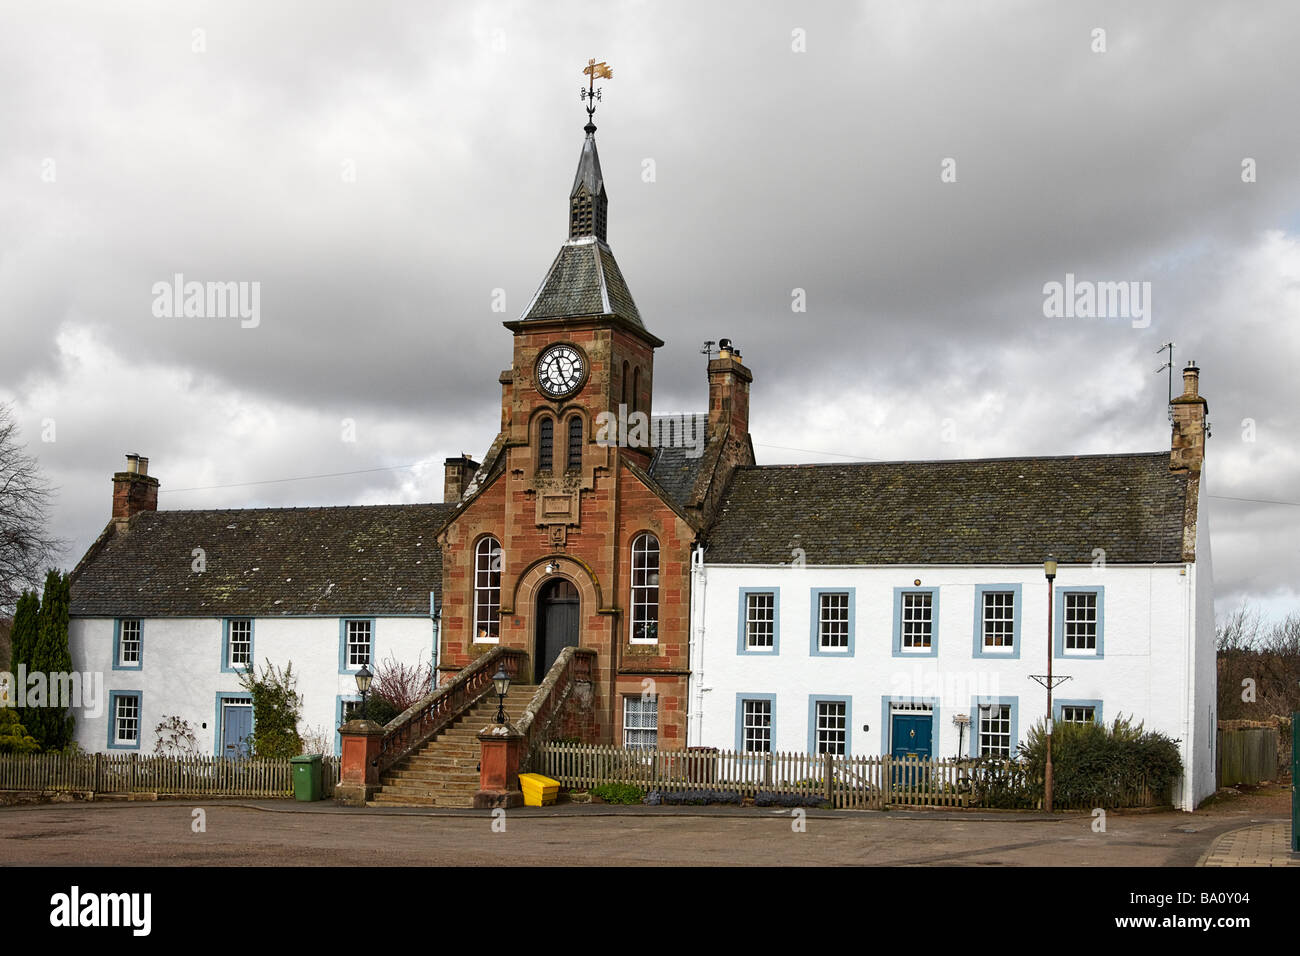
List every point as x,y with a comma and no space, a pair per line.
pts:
364,677
501,680
1049,570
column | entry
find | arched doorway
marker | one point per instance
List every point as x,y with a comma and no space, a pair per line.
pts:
557,623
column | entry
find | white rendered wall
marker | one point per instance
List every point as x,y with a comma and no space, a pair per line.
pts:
182,675
1143,673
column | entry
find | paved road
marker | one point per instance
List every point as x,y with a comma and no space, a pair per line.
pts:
282,833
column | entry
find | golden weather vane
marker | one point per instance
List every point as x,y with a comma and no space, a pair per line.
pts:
591,94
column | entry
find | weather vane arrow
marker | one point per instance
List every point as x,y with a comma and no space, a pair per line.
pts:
594,71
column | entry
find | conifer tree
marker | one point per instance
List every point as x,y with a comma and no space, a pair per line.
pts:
51,724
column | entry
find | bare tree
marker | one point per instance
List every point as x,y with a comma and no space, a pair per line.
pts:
402,684
26,547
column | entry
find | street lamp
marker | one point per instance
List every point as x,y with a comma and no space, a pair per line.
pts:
364,677
502,682
1049,570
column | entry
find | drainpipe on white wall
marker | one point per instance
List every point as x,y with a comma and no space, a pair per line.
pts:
695,687
436,619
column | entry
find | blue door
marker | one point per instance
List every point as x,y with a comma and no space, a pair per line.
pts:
910,736
237,726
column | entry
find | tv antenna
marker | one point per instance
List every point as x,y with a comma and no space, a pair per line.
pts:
1168,347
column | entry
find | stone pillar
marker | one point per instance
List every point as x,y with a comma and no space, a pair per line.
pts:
359,774
500,752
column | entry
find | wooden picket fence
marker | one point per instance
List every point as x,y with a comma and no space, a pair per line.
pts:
155,773
849,782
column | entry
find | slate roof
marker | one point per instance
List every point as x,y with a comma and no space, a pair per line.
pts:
588,173
989,511
266,562
584,279
675,466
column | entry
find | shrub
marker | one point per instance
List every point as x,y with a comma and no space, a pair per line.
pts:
175,738
766,798
619,793
276,706
14,738
380,709
1096,765
692,797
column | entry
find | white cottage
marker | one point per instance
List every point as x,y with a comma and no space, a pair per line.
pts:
171,605
902,607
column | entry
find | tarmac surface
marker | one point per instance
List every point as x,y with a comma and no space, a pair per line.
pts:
284,833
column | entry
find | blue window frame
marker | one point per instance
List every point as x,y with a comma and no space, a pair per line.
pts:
832,619
830,724
758,625
356,644
125,719
1076,705
997,621
236,645
916,622
1078,631
994,726
755,723
128,644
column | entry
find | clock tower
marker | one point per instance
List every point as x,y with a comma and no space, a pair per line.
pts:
564,536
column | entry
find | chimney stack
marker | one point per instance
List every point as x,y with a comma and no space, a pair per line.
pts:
1188,410
728,391
133,491
457,476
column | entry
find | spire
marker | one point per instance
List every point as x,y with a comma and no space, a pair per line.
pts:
587,200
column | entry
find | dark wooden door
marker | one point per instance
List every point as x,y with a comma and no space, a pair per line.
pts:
557,623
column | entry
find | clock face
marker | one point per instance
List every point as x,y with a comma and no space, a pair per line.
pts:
561,369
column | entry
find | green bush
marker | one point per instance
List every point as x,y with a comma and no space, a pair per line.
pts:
1097,765
619,793
380,710
276,710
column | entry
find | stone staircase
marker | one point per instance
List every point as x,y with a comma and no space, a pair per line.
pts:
444,772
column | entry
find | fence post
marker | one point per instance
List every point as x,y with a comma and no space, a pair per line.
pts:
97,785
828,773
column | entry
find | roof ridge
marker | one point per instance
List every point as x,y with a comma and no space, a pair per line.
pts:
956,461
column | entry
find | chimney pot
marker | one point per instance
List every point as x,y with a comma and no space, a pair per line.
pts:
133,490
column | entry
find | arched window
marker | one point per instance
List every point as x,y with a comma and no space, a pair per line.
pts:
645,589
575,442
636,389
487,591
545,443
624,382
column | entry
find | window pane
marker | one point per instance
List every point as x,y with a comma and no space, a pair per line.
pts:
645,588
129,643
760,619
358,643
641,722
757,726
995,730
241,643
833,621
127,720
487,590
832,726
917,619
999,619
1080,621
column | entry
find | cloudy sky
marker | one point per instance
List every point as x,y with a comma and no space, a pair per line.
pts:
384,169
